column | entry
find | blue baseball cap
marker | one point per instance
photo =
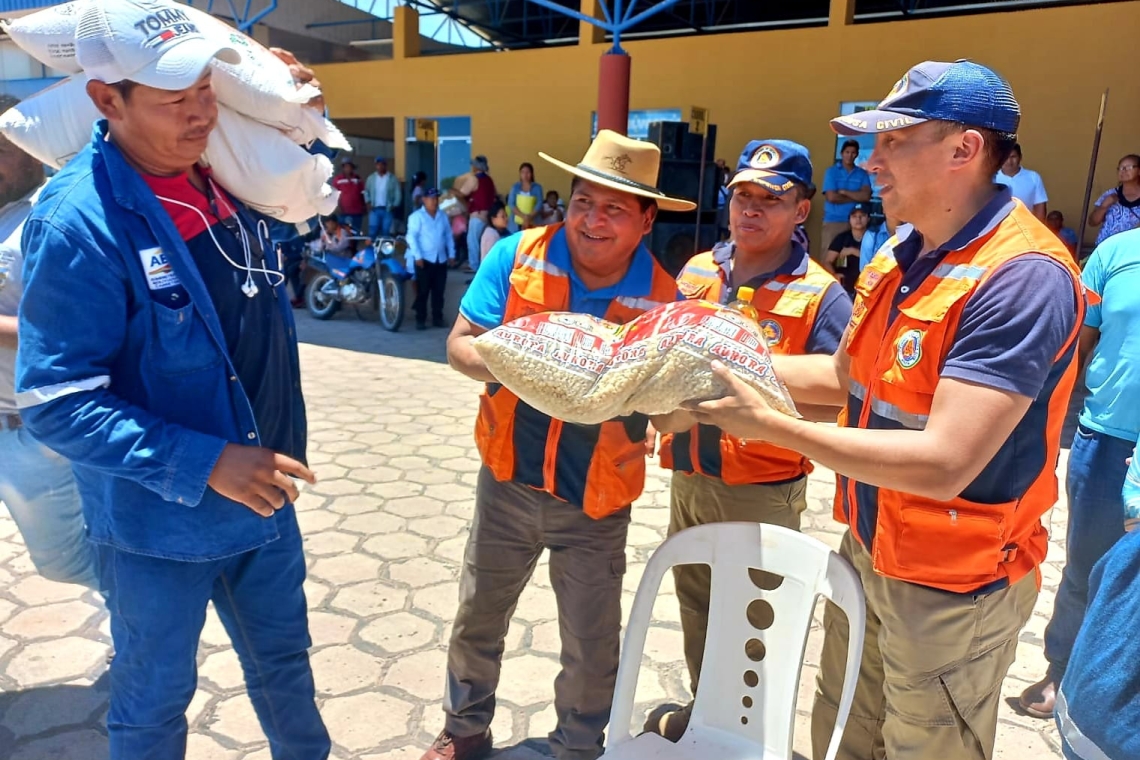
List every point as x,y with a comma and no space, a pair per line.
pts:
962,91
431,192
775,165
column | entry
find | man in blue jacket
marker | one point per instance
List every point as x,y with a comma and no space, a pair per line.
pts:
157,353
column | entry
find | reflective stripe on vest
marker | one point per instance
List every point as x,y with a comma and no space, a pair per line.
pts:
795,287
889,411
958,545
539,265
599,467
788,305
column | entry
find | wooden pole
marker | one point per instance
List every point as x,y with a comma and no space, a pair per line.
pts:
1092,171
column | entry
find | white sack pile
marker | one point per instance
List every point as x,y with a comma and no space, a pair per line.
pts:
256,151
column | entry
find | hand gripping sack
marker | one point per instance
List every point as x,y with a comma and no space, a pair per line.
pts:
262,87
585,370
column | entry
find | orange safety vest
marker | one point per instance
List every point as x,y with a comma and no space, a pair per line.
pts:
600,467
788,305
958,545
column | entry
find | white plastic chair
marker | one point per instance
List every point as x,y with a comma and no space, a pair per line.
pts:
744,709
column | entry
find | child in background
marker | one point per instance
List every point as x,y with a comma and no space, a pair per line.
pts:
552,210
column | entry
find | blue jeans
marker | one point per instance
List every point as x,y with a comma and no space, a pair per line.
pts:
158,608
380,222
1096,522
355,221
39,489
475,227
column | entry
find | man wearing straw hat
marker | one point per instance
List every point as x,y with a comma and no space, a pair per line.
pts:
546,484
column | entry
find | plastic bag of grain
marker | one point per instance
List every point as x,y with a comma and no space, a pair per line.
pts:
261,86
585,370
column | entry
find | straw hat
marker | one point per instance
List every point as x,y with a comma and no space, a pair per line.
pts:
631,166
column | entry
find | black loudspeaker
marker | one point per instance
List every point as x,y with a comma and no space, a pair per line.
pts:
671,240
681,179
669,136
691,148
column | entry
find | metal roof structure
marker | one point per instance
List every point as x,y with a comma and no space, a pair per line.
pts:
340,30
517,24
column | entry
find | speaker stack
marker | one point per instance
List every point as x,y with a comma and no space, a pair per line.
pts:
672,239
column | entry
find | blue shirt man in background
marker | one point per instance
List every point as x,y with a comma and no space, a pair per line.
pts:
844,185
1106,435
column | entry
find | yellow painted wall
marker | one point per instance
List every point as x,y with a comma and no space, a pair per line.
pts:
772,84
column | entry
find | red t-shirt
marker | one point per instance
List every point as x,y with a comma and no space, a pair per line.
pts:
351,189
484,196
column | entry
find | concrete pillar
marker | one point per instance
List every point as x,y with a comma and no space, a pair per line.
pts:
613,92
842,13
405,32
591,34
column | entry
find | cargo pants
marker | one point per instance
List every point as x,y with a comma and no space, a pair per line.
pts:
513,523
933,665
697,499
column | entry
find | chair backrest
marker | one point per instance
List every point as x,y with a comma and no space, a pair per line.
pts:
765,582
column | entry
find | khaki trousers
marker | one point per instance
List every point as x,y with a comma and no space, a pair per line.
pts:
697,500
512,525
933,664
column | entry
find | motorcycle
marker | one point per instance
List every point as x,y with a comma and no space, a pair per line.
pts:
374,275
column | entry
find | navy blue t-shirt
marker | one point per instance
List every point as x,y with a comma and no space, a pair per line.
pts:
254,329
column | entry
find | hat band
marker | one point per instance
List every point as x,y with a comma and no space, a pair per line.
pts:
622,181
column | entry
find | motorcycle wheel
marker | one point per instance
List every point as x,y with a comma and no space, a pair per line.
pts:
320,304
391,301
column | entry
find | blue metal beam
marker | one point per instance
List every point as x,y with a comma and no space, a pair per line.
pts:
244,20
623,12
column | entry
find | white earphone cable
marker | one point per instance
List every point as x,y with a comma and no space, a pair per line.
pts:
249,287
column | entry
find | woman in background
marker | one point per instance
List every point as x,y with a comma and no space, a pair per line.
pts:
524,201
1118,209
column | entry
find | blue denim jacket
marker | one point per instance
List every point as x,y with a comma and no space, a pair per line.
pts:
142,398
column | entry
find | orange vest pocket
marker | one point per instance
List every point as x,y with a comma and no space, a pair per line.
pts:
957,545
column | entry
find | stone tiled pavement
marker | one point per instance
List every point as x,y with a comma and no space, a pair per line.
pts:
391,440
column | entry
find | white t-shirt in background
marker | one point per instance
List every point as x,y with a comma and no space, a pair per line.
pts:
1026,186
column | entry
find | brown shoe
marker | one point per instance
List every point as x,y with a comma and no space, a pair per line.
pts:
448,747
670,724
1038,700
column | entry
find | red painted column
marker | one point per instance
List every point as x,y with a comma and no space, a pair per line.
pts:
613,92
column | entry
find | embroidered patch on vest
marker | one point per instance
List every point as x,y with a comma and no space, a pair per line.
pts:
910,348
691,289
772,331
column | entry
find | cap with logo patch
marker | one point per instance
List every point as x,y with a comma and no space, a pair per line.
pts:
775,165
149,42
962,91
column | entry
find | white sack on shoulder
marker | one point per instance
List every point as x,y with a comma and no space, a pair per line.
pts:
267,171
48,36
54,124
260,87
